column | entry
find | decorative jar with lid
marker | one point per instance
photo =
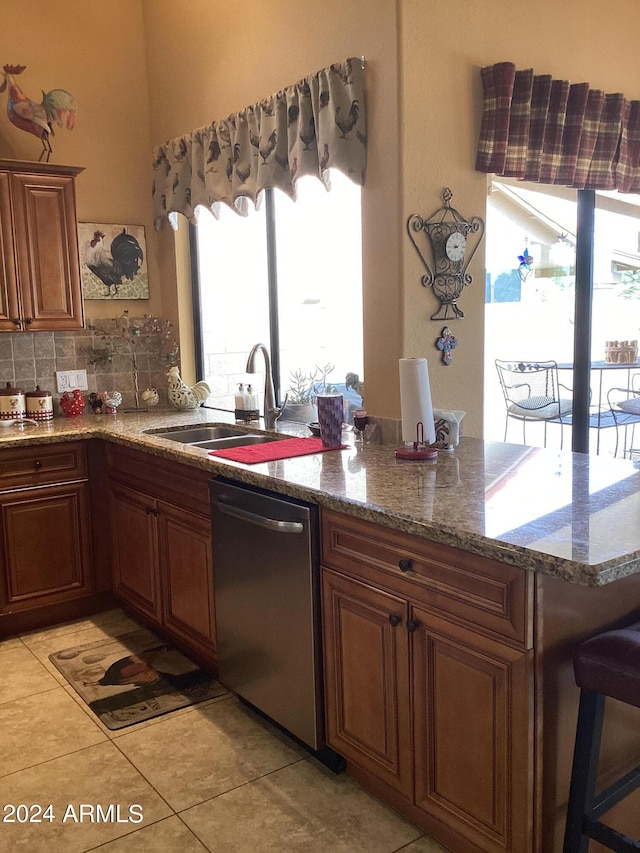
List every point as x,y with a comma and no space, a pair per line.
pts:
12,403
39,404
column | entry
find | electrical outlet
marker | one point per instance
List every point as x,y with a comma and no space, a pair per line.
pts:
69,380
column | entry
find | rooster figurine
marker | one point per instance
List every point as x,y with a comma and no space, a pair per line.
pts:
112,399
72,405
57,107
183,397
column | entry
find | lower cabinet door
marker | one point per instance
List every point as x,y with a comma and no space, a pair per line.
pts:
45,550
367,678
472,727
135,558
186,568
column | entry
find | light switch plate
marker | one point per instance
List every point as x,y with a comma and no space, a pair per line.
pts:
69,380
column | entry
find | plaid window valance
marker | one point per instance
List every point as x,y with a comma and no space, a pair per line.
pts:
309,128
551,131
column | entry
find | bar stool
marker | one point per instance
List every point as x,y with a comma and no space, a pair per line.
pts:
605,665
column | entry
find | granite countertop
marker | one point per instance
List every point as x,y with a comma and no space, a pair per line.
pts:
568,515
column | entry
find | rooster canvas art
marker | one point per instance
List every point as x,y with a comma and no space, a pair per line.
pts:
57,107
113,261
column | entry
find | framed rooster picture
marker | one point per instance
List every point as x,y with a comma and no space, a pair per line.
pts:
113,261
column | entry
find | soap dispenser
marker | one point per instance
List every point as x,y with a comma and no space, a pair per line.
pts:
251,405
240,402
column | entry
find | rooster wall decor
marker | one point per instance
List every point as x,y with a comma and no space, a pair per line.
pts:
57,107
113,261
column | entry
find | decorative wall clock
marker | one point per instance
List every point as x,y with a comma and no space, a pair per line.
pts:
447,238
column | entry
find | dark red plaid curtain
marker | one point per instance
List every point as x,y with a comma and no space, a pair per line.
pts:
553,132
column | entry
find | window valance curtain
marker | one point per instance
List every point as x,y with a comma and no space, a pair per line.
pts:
551,131
308,128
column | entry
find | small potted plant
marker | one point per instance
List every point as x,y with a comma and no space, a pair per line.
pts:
303,391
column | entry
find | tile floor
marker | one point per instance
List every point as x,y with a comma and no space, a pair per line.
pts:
213,777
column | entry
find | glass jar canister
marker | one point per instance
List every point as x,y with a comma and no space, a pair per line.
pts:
12,403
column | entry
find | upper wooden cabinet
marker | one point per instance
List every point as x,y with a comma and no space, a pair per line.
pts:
40,285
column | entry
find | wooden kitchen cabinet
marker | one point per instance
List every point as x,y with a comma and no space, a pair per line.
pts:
45,542
135,550
366,648
40,285
429,682
161,533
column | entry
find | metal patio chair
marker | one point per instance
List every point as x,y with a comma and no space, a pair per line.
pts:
624,404
532,394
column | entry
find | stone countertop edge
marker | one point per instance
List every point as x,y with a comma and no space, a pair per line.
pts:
129,430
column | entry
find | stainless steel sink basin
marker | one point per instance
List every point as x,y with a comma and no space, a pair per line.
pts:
212,437
194,435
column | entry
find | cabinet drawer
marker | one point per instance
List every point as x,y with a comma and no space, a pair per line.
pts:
162,478
474,590
42,464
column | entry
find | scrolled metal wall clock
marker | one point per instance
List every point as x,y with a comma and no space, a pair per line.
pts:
452,241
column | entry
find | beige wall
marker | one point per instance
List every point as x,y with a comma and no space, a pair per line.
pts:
147,70
444,47
97,52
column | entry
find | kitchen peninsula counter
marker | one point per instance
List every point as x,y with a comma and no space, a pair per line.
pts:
569,516
498,558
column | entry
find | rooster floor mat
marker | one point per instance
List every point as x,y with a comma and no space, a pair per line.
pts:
134,677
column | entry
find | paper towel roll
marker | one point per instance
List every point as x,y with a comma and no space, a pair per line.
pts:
415,399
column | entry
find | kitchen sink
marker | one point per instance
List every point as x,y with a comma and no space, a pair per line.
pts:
213,437
194,435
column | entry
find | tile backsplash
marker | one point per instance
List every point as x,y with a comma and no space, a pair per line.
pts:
28,359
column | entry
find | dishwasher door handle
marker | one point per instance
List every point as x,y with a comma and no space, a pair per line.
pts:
260,520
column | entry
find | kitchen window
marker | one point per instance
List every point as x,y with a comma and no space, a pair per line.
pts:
533,300
288,275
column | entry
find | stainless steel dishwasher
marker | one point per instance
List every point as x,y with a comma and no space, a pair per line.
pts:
266,581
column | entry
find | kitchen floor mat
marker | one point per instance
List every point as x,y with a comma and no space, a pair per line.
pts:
282,449
134,677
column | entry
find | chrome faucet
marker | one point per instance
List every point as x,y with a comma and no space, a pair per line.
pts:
271,411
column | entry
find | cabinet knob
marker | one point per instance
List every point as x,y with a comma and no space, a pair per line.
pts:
149,510
394,619
412,625
28,321
405,565
37,464
16,321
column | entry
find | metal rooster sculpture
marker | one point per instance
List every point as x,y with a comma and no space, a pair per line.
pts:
57,107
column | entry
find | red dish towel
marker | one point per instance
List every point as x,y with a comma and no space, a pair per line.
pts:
250,454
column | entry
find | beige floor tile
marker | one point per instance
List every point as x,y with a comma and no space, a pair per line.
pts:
195,756
22,675
10,643
166,836
304,807
424,845
112,623
98,775
38,728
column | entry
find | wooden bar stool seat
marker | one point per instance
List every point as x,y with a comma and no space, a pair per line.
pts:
605,665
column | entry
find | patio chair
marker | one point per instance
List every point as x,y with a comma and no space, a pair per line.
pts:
532,394
625,408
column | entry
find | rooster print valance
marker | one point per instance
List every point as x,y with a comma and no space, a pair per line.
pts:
316,125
